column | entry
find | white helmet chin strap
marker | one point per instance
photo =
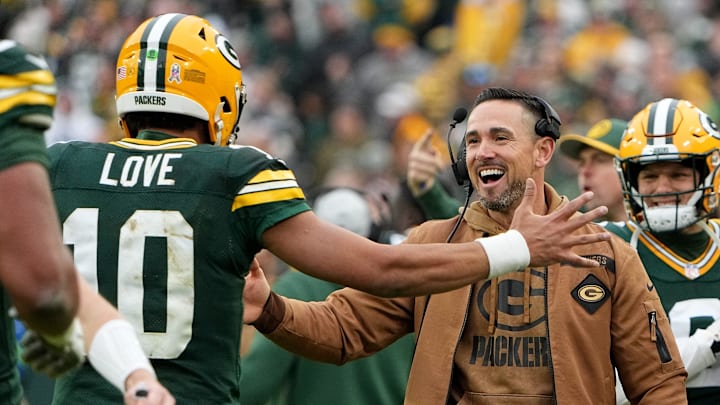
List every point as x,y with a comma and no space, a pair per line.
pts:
670,217
218,127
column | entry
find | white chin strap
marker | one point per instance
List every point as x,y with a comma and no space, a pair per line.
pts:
670,218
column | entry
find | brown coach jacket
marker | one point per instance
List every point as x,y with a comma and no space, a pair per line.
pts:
628,329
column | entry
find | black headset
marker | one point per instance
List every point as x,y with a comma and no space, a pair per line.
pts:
548,125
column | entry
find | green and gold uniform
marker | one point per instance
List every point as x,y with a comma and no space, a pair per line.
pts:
27,98
166,230
686,272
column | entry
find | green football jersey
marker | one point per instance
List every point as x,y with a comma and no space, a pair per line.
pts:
685,270
10,387
166,229
27,98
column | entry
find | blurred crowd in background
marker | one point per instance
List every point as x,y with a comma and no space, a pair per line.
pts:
340,89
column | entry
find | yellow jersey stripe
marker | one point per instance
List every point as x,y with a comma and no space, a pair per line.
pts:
26,98
268,186
36,87
267,196
146,144
24,79
272,175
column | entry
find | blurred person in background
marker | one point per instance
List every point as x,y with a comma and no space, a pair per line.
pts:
669,159
272,375
74,121
595,154
419,154
425,162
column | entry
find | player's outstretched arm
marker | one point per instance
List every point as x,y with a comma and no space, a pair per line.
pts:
143,389
550,237
329,252
111,345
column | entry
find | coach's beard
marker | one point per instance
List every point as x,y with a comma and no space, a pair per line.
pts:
506,200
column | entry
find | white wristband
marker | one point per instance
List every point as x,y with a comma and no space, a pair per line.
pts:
505,252
115,352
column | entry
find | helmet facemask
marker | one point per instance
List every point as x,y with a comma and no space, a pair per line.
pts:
671,217
670,130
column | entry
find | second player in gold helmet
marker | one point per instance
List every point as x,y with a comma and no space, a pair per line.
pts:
180,64
670,130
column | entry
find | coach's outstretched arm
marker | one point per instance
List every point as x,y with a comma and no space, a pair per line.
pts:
406,270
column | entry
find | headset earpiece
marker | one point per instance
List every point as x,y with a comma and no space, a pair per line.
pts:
549,124
459,167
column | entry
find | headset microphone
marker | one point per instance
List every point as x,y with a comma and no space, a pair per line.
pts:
458,116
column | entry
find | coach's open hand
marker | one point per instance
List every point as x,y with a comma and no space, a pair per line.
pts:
550,237
255,294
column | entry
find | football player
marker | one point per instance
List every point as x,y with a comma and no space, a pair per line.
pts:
36,269
668,163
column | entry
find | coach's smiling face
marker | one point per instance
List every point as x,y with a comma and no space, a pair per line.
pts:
503,151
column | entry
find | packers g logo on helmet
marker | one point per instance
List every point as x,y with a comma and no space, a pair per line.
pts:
177,63
671,130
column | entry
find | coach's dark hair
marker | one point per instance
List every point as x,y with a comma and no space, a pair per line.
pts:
548,121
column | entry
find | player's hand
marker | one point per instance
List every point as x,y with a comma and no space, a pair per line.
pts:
56,358
424,163
144,388
550,237
255,294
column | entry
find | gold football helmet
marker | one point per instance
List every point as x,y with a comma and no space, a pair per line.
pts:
177,63
670,130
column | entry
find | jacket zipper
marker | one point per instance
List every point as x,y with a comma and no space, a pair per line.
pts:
657,337
547,327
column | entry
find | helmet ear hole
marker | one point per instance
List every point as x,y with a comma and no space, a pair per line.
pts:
226,108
